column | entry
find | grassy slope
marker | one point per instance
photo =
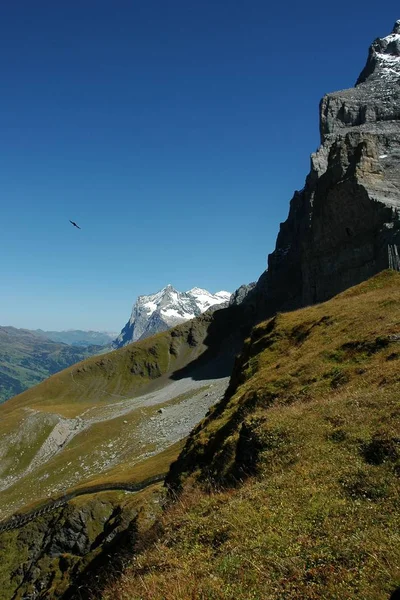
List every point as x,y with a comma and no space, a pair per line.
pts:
26,564
94,384
26,359
306,445
129,371
97,381
116,374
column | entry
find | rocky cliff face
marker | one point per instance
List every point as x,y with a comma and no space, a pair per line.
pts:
48,555
242,294
344,225
165,309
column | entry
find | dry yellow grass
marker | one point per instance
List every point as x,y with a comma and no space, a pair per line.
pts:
290,488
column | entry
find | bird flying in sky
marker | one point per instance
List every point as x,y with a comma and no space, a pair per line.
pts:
74,224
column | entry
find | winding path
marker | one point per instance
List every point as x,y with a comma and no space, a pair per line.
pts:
19,520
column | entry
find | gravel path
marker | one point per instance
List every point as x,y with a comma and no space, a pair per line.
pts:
182,404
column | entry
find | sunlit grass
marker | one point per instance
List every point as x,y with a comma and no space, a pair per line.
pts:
290,488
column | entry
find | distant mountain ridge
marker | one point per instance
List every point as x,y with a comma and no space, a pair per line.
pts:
27,358
158,312
78,337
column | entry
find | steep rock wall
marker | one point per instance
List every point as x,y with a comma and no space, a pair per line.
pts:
344,225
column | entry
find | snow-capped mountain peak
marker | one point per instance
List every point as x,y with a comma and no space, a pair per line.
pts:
204,299
166,308
383,64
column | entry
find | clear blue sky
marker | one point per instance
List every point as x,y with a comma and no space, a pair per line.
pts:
173,132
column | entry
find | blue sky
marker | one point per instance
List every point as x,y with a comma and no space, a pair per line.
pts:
174,133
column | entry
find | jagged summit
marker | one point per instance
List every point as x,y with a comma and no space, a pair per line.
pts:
167,308
383,59
375,99
344,225
205,300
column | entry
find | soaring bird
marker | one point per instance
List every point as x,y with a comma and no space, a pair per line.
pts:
74,224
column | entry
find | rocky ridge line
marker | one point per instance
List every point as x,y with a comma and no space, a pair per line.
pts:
160,311
344,225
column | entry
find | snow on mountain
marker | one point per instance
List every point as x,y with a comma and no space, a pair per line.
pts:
204,299
167,308
383,64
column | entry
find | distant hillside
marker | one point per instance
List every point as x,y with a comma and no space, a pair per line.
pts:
101,414
26,359
78,337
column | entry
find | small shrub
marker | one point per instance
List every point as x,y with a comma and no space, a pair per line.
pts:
338,435
381,449
365,485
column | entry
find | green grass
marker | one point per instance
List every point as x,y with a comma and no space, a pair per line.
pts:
290,488
64,471
19,449
301,356
81,461
94,385
25,562
112,376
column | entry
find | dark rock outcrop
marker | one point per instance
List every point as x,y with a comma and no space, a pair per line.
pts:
244,292
343,226
47,554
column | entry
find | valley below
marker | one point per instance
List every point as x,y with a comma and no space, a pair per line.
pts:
51,453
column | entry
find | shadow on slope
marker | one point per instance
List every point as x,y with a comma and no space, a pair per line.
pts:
224,338
289,488
291,357
203,348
